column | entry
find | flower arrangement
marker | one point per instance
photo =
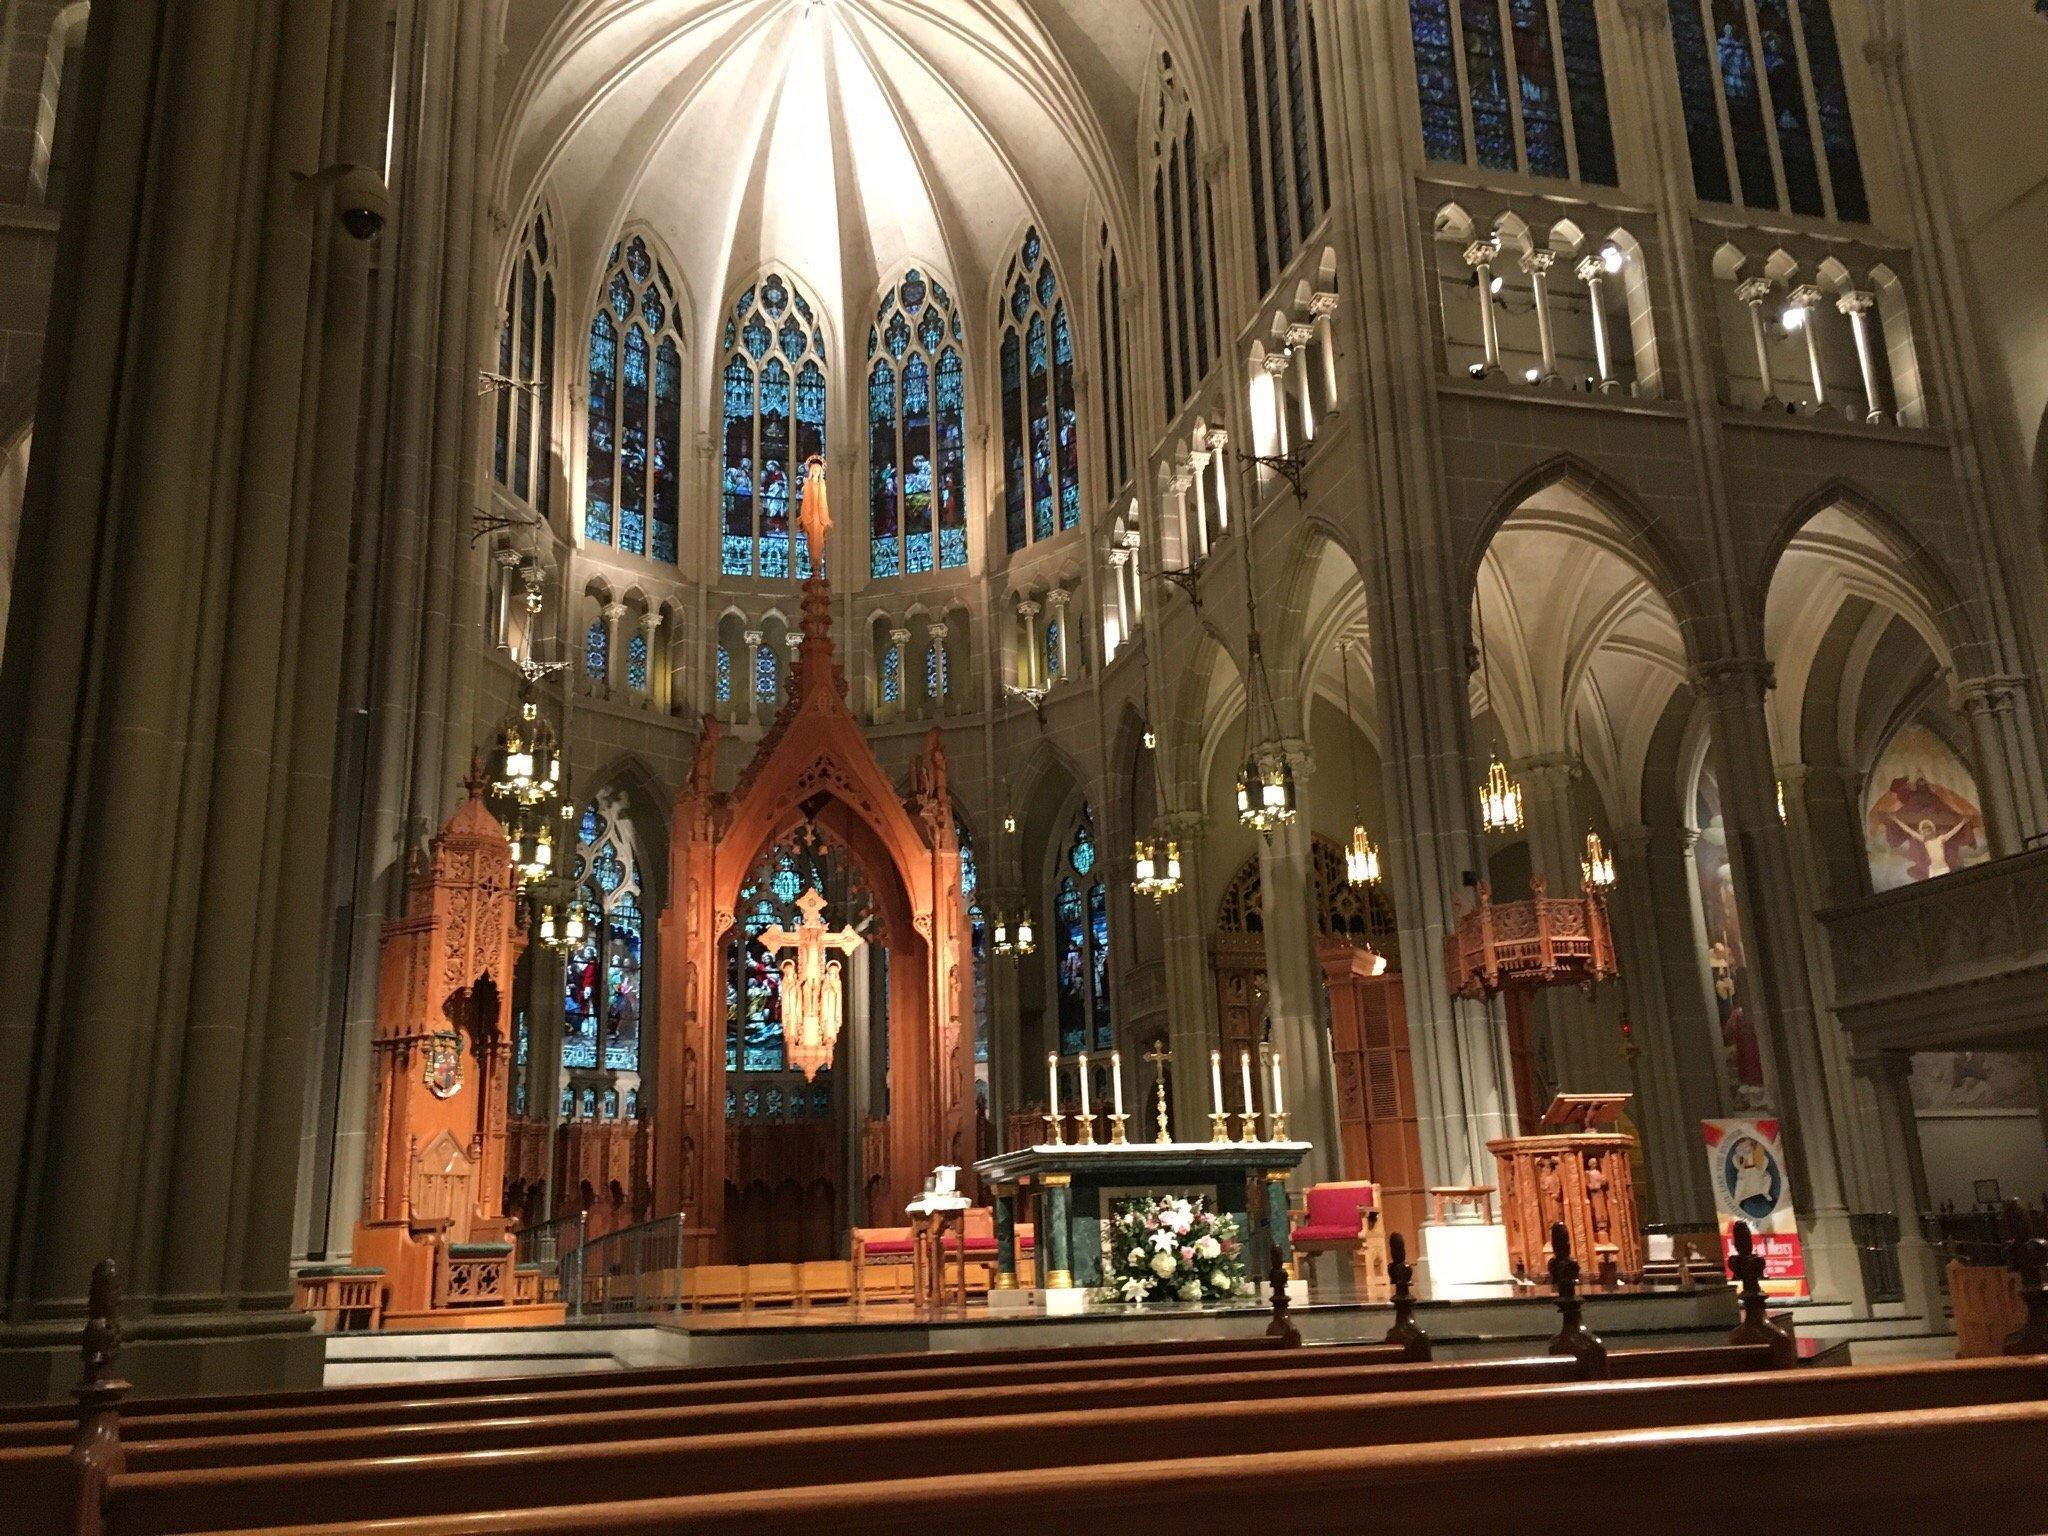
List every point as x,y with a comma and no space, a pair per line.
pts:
1164,1248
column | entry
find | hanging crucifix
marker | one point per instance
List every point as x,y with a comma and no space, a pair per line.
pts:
813,1004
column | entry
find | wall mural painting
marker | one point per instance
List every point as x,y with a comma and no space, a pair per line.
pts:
1740,1046
1921,820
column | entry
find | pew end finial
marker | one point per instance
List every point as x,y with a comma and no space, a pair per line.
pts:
96,1452
1573,1337
1401,1274
1756,1327
1281,1330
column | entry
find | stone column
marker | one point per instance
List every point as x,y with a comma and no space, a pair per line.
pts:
936,631
1322,305
1480,256
1027,628
1806,299
1119,562
1582,1052
1857,307
1774,942
614,660
899,647
1538,264
1056,600
171,685
508,562
1299,335
1592,271
1219,441
1890,1075
1276,371
853,1071
1754,293
751,639
1295,1003
1185,935
1992,706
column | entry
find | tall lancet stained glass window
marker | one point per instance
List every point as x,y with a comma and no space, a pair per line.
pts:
1286,159
521,459
601,986
1080,908
633,487
1041,429
772,391
917,431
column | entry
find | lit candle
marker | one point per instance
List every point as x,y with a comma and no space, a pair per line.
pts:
1244,1060
1085,1111
1116,1078
1279,1099
1216,1079
1052,1081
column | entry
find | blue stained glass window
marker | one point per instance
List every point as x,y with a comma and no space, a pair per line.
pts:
767,673
1082,854
897,337
1579,32
1788,107
1031,249
1052,649
775,422
1301,89
608,868
931,672
1276,138
597,515
636,664
635,412
885,551
1837,130
1436,80
582,978
1486,72
724,684
1182,331
1013,442
1098,945
1199,302
1066,420
931,330
892,675
1739,88
597,651
970,876
786,883
1702,113
529,305
622,985
1072,959
951,487
917,467
1035,351
589,825
1536,76
633,446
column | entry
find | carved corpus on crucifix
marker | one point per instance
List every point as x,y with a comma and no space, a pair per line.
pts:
812,997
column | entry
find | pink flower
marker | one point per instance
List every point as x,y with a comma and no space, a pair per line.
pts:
1187,1255
1229,1247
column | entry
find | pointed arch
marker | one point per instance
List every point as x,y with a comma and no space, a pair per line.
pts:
916,402
772,410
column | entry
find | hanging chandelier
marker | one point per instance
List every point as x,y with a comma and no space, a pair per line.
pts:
526,768
1266,794
1596,869
1500,799
1362,856
1012,939
564,931
1155,868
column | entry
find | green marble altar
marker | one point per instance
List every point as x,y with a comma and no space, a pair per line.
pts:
1076,1187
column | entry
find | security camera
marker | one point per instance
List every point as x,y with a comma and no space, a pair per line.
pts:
363,201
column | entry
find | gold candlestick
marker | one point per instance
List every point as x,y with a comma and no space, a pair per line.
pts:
1248,1128
1116,1130
1159,1056
1054,1131
1280,1125
1084,1130
1219,1127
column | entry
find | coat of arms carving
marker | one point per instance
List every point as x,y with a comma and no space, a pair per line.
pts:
444,1064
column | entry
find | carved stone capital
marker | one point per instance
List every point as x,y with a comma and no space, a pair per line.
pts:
1322,304
1755,291
1722,674
1300,333
1538,263
1856,303
1481,254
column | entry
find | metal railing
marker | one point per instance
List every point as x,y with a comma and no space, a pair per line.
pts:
1876,1235
633,1270
542,1247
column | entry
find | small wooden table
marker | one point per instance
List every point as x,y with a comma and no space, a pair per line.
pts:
931,1218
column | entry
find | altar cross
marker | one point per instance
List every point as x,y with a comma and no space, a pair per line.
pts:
811,1003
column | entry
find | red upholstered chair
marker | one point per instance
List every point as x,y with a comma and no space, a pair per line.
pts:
1345,1218
881,1248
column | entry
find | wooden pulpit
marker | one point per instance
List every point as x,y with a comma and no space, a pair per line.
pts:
1577,1172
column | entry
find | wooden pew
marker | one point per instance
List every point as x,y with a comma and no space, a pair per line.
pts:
143,1502
1976,1470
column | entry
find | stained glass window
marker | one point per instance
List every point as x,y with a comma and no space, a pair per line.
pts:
725,674
1534,97
1276,136
1752,60
1052,649
892,674
933,684
767,673
597,649
522,456
1109,358
772,406
634,419
1080,906
1255,152
636,664
601,993
1041,450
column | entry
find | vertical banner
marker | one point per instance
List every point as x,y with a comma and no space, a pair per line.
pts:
1747,1164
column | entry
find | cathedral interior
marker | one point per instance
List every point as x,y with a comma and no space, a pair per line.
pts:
894,570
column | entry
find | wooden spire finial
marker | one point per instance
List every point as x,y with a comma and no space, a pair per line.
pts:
1756,1327
96,1453
1282,1328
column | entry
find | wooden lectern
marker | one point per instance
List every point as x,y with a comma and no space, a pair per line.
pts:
1577,1172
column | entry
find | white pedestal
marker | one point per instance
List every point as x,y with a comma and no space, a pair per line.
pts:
1065,1301
1466,1259
1015,1299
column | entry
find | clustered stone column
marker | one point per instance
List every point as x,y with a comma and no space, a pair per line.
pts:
171,687
1295,1003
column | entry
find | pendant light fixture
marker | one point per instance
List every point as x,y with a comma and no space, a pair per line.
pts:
1362,855
1155,860
1500,797
1266,795
1596,869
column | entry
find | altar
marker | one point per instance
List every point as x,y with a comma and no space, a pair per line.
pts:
1076,1187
